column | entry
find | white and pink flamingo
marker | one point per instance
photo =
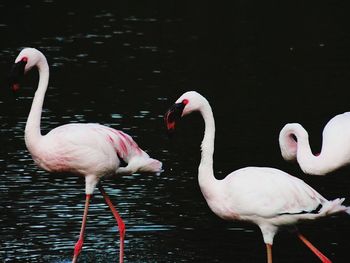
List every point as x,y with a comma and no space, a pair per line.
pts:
89,150
265,196
335,151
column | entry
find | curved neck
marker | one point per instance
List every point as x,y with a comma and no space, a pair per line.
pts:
206,178
32,130
308,162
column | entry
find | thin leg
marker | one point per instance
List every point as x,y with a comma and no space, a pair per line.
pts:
318,253
78,246
119,220
269,253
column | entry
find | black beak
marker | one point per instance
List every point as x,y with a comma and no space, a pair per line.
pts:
172,115
16,74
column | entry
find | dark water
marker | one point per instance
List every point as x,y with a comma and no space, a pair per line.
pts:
122,64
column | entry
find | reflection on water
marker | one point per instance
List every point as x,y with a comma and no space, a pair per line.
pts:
122,65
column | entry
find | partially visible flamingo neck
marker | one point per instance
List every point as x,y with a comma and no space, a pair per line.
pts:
206,178
32,130
308,162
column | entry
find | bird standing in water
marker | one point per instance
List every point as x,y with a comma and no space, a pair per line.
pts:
89,150
267,197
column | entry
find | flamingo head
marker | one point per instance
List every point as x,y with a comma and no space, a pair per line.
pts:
187,103
26,59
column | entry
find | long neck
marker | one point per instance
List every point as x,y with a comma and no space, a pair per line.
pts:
308,162
32,130
206,178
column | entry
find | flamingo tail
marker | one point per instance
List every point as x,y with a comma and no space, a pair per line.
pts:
334,206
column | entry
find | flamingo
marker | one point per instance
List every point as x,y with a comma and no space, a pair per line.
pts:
85,149
335,152
267,197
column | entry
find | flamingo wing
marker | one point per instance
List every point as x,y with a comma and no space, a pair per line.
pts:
269,192
83,149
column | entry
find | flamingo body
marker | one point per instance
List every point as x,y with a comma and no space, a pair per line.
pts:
335,150
89,150
264,196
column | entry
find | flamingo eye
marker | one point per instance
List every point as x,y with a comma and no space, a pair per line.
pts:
24,59
185,101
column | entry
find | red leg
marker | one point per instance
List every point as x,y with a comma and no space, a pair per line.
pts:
119,220
269,253
318,253
78,246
